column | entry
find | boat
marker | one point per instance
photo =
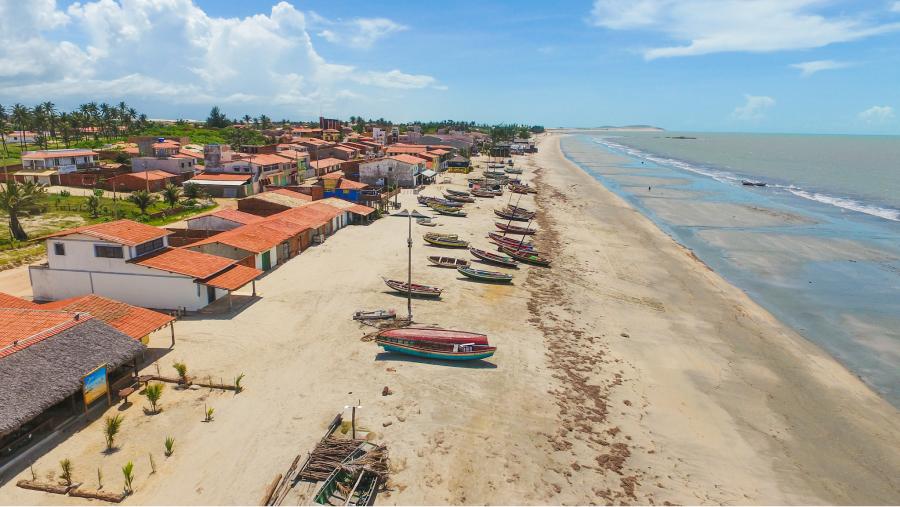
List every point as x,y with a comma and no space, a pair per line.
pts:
503,213
748,183
443,210
522,189
514,229
459,198
513,170
494,258
374,314
500,175
449,241
457,192
528,257
447,262
517,244
417,290
521,210
427,222
483,193
428,201
484,275
435,343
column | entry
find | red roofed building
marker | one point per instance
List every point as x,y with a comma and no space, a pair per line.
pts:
153,180
398,170
130,262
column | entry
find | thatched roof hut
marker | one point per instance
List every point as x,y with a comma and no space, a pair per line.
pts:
41,369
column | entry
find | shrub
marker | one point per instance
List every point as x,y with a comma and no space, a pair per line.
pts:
66,471
237,383
181,368
128,472
170,446
153,392
111,429
209,413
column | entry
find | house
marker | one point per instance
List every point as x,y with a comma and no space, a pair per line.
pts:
152,181
398,170
45,356
133,263
329,124
224,184
180,163
345,152
221,220
331,135
61,161
264,168
337,185
23,137
273,201
458,161
316,148
326,165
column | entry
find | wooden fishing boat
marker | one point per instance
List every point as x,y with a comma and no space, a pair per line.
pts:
522,189
748,183
520,210
483,193
514,229
435,343
427,222
459,198
526,256
443,210
447,262
445,240
374,314
518,244
484,275
457,192
417,290
491,257
428,201
513,170
502,213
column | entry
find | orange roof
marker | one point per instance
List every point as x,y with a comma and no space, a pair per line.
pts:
167,144
256,238
293,154
335,175
407,159
184,262
234,277
21,327
57,153
326,162
150,175
134,321
236,216
222,177
268,159
351,185
359,209
10,301
126,232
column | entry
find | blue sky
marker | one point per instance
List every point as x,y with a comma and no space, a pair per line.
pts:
725,65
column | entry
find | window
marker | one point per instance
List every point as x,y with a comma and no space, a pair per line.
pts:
59,248
110,252
148,247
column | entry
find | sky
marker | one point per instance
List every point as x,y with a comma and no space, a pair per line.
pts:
816,66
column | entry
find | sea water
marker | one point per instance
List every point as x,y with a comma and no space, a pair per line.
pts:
819,246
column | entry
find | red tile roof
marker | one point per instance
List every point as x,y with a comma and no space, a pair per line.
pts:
255,238
10,301
44,154
126,232
167,144
236,216
268,159
222,177
184,262
336,175
234,277
21,328
351,185
326,162
134,321
408,159
151,175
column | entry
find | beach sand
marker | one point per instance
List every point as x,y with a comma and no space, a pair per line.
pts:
626,373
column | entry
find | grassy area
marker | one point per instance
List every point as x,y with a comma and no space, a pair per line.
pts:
55,212
198,134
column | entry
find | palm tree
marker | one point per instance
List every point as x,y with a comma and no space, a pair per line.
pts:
171,194
142,199
65,128
50,110
14,199
246,119
153,392
4,120
192,191
21,117
111,429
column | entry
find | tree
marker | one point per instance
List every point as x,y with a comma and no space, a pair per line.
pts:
171,194
153,392
192,191
4,121
216,118
111,429
14,199
93,202
21,117
142,199
265,122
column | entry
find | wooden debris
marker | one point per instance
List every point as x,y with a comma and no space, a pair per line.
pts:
106,496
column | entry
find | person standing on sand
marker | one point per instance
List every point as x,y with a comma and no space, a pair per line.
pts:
648,188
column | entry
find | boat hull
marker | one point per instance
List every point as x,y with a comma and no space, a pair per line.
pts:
433,354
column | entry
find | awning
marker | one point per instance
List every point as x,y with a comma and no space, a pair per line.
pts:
233,278
428,173
359,209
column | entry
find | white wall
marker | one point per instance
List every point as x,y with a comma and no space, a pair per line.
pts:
169,165
211,223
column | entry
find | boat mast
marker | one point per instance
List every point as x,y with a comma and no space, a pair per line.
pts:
409,272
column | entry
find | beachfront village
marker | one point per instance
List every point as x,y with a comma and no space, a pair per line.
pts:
148,263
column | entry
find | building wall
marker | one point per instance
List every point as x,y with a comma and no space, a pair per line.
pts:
260,207
389,170
211,223
169,165
222,250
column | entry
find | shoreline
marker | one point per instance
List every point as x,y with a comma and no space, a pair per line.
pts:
755,391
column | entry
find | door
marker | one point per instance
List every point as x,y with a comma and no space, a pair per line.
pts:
266,260
210,294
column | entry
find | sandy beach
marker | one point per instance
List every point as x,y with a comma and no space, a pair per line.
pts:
626,373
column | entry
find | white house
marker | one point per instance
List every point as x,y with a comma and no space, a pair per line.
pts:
402,170
132,262
23,136
63,161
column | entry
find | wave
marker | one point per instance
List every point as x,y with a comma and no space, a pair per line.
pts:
731,178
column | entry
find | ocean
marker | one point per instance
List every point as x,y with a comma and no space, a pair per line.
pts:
818,246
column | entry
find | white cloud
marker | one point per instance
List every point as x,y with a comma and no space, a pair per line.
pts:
172,50
754,107
810,68
360,33
877,114
714,26
895,7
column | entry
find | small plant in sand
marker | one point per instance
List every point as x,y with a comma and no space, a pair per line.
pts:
209,413
152,464
128,472
237,383
65,474
170,446
111,429
99,478
153,392
181,368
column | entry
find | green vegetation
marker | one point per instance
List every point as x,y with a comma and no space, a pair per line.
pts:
171,194
182,370
237,383
153,392
15,199
65,474
170,446
111,429
128,472
209,413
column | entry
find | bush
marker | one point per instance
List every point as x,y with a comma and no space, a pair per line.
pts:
153,392
170,446
111,429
